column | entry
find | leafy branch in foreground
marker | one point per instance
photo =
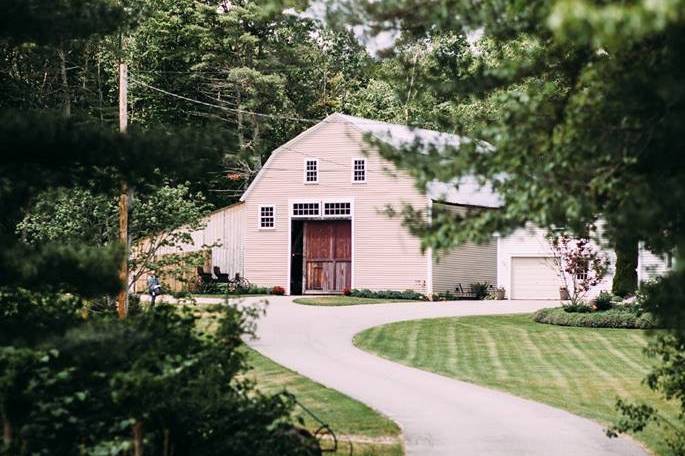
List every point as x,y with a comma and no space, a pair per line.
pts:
571,111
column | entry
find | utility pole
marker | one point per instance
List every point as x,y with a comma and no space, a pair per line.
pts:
122,299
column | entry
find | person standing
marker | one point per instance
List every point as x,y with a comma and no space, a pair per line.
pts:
153,287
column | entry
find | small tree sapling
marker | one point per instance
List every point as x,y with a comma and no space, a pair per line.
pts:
579,264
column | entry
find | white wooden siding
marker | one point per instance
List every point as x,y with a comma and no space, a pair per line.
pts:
224,232
649,265
385,255
226,227
465,264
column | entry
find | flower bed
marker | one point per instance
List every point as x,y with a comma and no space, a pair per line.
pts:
387,294
623,316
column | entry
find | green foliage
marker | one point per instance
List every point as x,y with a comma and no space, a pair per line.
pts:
574,110
618,317
663,298
580,307
224,289
28,317
69,215
160,220
50,21
480,289
604,301
444,296
387,294
247,57
72,392
60,152
73,378
625,274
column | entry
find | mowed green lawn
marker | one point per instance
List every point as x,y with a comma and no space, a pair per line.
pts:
582,370
369,432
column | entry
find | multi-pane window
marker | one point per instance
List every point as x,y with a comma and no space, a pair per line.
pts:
359,170
311,171
581,272
305,209
267,217
333,209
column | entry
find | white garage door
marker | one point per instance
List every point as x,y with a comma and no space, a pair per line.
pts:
534,278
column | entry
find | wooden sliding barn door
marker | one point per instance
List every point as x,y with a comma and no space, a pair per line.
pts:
328,256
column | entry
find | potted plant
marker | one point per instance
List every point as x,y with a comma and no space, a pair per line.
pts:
499,293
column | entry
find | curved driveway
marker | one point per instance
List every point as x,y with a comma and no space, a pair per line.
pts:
438,415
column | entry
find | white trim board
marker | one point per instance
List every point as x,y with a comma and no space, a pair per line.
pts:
351,218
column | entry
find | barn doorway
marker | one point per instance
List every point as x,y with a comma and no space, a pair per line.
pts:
296,256
325,262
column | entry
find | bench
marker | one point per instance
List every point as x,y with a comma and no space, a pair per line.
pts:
470,293
464,293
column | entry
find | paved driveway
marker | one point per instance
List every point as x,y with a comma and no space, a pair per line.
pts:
438,415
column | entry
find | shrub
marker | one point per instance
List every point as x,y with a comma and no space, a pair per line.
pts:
480,289
617,317
363,293
604,301
280,291
444,296
222,288
580,307
388,294
65,391
347,291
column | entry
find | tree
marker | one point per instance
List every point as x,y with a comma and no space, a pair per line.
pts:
579,264
161,219
173,386
58,152
625,275
574,110
76,381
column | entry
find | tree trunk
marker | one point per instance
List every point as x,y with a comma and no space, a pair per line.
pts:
138,438
6,431
625,278
122,298
65,81
167,442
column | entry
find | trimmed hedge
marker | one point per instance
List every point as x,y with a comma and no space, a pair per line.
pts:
221,288
618,317
388,294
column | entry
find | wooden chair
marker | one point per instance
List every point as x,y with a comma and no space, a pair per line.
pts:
205,278
221,277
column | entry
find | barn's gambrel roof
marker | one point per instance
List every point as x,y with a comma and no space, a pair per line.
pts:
466,191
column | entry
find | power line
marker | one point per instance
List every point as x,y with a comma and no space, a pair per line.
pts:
225,108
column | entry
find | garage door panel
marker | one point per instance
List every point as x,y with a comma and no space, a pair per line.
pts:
534,278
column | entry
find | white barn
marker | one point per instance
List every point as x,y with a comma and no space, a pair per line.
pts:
313,221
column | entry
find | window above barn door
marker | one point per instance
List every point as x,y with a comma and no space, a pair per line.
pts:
337,209
311,209
311,171
322,209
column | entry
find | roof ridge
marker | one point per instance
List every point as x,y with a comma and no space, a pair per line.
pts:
389,124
